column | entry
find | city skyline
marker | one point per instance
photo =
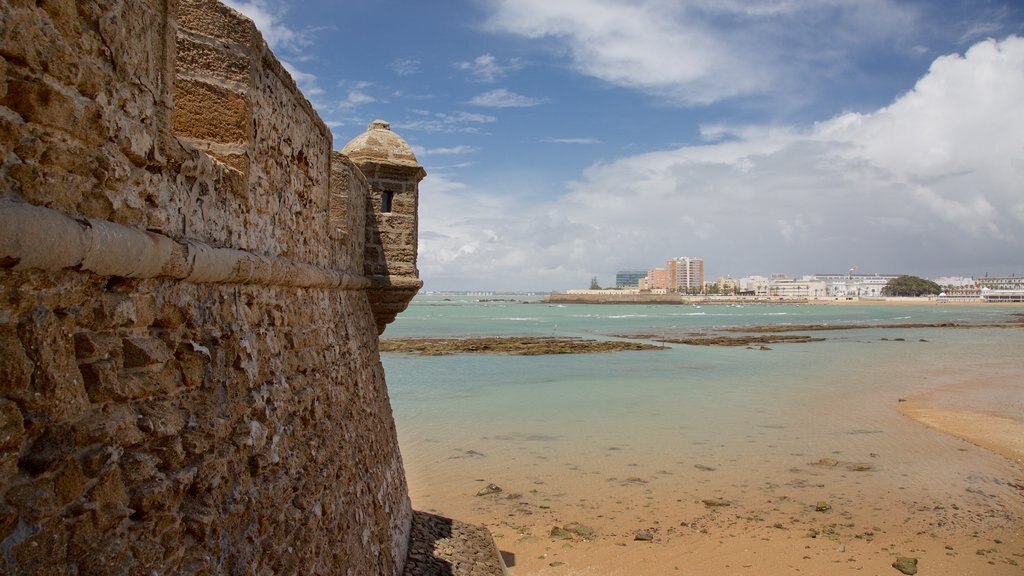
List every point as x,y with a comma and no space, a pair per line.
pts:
565,140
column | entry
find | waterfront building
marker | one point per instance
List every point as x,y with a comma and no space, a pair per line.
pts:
728,285
1001,282
658,278
790,288
854,285
749,284
629,278
1002,295
686,274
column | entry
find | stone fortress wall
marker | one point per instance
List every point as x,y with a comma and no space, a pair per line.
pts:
191,288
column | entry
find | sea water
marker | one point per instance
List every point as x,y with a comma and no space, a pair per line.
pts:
609,431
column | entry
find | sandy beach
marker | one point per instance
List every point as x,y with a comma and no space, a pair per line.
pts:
832,512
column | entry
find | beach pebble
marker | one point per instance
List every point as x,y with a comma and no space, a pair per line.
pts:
559,533
489,489
644,536
580,530
822,506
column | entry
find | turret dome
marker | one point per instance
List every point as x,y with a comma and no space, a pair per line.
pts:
380,145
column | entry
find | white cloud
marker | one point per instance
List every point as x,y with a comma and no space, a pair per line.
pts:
441,122
305,81
356,94
487,68
268,17
702,51
571,140
502,98
452,150
405,66
930,184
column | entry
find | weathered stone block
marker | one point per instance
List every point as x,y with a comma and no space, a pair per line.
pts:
111,498
113,310
204,111
8,521
101,380
193,360
8,466
96,345
145,352
12,426
139,466
35,500
15,365
216,20
202,58
160,418
110,423
96,460
37,102
69,483
54,445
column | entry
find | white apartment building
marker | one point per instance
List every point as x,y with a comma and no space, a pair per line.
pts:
790,288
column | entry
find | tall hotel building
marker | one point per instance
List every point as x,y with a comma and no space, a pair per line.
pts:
686,274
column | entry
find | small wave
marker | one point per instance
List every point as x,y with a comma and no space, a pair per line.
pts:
517,319
619,316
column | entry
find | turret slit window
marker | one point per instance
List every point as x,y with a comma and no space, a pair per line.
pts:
386,199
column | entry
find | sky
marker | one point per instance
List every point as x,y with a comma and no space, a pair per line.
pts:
568,139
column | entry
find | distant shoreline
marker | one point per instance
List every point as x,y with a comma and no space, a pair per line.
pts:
678,299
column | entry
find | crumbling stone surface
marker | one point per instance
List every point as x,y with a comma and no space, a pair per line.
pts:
159,420
443,546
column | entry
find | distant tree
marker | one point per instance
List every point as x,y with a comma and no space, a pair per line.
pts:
593,284
910,286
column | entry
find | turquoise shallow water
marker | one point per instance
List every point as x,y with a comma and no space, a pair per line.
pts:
694,384
581,424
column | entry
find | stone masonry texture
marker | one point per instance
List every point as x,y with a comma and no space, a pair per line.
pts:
194,415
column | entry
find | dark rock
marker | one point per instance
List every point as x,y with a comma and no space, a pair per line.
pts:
716,502
559,533
489,489
822,506
644,536
906,565
521,345
579,529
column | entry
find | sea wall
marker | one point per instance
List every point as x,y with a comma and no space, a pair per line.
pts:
189,374
612,297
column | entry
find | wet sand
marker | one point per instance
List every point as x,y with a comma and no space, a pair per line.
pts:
1000,434
855,509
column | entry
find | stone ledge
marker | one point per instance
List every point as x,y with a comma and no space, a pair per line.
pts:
35,237
441,546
